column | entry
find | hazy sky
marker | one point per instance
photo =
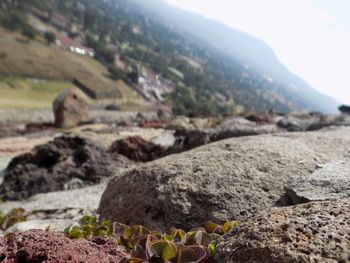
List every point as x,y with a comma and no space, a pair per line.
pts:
311,37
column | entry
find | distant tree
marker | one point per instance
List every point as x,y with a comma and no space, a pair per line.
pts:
109,56
90,19
50,37
134,74
91,42
14,20
115,73
105,55
29,32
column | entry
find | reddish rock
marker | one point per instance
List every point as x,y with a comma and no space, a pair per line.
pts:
44,246
260,118
70,108
155,124
137,149
38,127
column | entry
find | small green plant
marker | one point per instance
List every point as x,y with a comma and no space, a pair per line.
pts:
146,246
16,215
90,226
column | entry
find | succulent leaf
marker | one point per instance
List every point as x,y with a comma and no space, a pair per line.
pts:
163,249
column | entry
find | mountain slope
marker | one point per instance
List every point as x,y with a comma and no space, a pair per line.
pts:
246,49
217,70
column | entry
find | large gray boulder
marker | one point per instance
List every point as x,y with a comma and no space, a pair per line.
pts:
329,182
232,179
315,232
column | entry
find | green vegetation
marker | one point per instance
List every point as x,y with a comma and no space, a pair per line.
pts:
140,37
177,73
196,245
209,81
29,93
14,216
50,37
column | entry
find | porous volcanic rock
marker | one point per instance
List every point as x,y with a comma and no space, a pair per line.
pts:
329,182
314,232
52,166
70,108
186,139
138,149
46,246
232,179
311,122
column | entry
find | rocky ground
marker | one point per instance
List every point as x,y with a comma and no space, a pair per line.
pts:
284,177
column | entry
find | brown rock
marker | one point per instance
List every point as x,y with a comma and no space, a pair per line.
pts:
260,118
44,246
315,232
137,149
70,108
154,124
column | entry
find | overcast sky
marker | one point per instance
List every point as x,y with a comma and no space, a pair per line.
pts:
311,37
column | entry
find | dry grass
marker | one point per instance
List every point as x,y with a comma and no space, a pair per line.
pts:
34,59
22,60
130,101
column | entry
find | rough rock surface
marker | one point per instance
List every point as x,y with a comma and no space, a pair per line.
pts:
232,179
314,232
137,149
192,138
70,108
311,122
57,165
329,182
47,246
188,139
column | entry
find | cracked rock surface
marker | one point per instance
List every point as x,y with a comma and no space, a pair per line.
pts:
331,181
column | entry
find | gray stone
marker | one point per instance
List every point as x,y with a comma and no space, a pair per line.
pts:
86,198
314,232
56,209
232,179
329,182
70,108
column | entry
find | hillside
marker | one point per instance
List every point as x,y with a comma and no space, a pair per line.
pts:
245,48
216,73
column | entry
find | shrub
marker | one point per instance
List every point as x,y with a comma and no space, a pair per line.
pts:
28,32
14,20
50,37
115,73
145,245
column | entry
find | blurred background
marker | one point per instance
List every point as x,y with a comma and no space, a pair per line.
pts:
194,58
